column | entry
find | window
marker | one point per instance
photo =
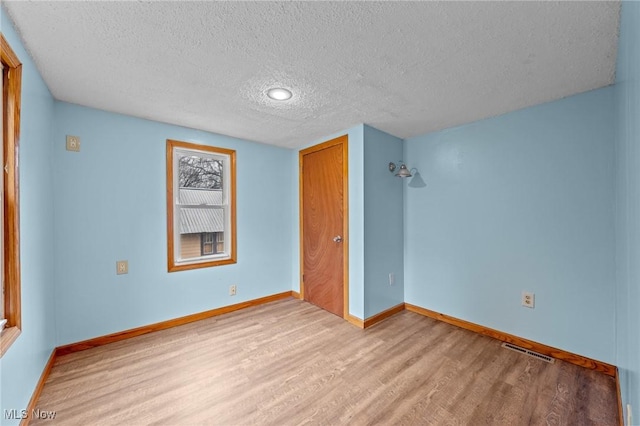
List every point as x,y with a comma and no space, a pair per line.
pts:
219,242
201,222
9,213
212,243
207,243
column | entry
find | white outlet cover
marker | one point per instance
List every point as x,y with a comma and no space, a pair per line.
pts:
528,299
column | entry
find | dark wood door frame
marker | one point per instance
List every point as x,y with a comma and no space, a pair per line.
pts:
344,141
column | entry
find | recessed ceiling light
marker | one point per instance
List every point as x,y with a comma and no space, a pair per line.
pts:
279,94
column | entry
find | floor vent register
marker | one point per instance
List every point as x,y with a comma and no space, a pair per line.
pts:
544,358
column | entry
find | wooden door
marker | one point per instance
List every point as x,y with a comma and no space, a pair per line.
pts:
323,198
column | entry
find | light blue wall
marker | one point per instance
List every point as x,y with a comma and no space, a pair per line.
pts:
356,216
22,365
110,204
522,201
383,222
356,222
628,206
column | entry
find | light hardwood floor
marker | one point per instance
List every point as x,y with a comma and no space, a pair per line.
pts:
290,363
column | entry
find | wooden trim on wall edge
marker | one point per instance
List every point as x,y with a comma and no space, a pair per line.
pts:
38,390
295,295
355,321
560,354
619,397
383,315
127,334
375,318
11,206
7,337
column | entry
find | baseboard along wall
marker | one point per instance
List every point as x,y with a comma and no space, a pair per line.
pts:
619,398
582,361
127,334
38,390
519,341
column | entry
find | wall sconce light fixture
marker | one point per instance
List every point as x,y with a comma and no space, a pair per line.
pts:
403,172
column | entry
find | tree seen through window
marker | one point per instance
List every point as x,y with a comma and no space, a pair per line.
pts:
200,172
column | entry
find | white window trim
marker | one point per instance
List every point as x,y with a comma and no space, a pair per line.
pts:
226,179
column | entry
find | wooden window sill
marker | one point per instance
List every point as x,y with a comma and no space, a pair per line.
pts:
7,337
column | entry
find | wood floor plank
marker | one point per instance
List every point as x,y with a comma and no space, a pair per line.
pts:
291,363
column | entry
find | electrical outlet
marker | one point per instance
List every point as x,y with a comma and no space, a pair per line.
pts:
232,290
73,143
122,267
528,299
392,279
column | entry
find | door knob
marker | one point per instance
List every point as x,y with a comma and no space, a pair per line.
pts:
337,239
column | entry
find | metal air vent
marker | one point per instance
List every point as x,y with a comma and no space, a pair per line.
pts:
524,351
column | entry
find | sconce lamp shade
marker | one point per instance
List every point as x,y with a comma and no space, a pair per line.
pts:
403,172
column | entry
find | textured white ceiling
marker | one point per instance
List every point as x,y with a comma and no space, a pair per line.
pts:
406,68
